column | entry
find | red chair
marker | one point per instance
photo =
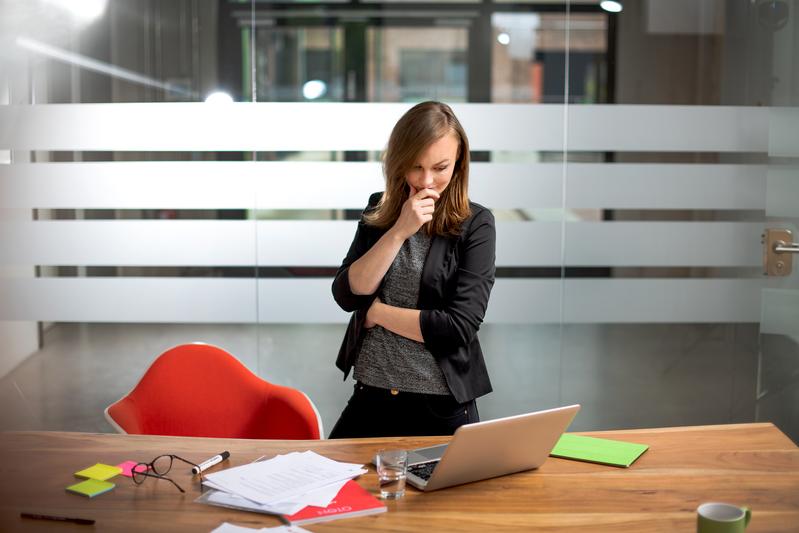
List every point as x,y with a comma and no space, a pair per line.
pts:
200,390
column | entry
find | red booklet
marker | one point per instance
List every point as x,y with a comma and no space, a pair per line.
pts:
352,500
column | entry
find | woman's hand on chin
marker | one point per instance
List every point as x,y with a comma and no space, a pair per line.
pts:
417,210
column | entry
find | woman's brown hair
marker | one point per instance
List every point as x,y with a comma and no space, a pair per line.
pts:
418,128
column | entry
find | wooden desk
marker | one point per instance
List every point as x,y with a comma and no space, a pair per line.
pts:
747,464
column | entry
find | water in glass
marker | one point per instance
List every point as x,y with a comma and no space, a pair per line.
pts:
391,472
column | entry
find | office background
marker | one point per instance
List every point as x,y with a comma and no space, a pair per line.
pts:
632,161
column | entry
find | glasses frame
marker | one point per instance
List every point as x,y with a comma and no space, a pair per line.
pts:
150,471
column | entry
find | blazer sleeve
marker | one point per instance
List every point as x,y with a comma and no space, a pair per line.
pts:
456,323
364,239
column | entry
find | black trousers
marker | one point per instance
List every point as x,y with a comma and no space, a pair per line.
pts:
376,412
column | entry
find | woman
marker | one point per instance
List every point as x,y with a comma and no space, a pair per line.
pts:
418,276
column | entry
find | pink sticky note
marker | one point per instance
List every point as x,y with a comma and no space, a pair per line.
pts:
127,468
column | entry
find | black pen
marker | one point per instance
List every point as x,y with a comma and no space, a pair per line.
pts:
81,521
205,465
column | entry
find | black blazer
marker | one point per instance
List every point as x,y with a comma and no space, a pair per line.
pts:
456,282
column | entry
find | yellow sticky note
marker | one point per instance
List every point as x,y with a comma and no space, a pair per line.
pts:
91,487
99,471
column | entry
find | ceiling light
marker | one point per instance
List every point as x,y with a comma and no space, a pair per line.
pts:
219,97
610,6
503,38
313,89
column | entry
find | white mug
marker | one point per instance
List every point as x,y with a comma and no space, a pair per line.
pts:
722,518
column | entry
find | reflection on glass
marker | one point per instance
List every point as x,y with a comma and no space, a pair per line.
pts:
409,65
529,57
299,64
528,66
96,51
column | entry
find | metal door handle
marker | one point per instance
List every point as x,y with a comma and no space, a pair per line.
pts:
782,247
778,250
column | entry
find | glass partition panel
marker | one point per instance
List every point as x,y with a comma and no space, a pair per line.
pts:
113,251
629,160
295,64
662,293
778,361
413,64
530,52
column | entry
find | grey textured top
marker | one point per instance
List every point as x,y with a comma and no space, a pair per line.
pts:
391,361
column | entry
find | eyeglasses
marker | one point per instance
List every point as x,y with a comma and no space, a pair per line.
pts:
157,468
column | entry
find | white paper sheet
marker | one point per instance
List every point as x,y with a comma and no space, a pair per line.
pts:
225,499
319,498
293,478
227,527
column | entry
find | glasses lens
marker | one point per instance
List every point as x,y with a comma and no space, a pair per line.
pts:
138,472
162,464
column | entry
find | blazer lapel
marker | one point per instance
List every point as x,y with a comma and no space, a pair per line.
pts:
429,285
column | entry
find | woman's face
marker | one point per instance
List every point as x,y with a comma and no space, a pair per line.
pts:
433,169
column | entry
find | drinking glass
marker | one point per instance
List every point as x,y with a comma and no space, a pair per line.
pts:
392,467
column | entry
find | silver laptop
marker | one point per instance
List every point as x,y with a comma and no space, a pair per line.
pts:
489,449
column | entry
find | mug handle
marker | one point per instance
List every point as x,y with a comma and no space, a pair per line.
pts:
747,515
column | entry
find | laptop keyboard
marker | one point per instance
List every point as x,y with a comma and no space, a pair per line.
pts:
423,470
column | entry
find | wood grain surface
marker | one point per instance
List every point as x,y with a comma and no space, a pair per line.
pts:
744,464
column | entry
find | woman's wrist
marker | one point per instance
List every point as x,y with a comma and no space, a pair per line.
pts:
402,321
396,234
376,312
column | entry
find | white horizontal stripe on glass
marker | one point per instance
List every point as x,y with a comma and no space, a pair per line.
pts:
593,301
528,244
665,128
359,126
780,314
619,186
665,186
525,301
324,243
347,185
175,242
189,185
304,242
782,196
298,301
161,300
721,244
783,125
198,126
129,243
157,300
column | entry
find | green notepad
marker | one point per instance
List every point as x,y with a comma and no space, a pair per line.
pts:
594,450
99,471
91,487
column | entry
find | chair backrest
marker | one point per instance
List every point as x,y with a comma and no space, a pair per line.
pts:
200,390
